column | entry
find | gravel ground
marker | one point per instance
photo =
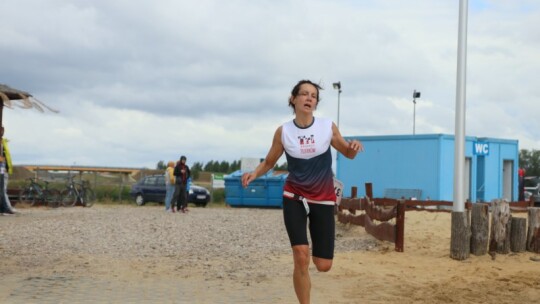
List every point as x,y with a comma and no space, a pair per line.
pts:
141,232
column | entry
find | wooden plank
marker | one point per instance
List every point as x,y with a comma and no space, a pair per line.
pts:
379,213
533,233
383,231
460,236
479,229
518,234
400,227
82,169
351,219
351,203
500,227
369,190
385,202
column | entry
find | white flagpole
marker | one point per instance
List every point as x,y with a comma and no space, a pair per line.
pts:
459,137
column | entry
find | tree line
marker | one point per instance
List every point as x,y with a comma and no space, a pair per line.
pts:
216,166
530,161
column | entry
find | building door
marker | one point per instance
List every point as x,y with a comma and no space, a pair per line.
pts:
508,172
480,178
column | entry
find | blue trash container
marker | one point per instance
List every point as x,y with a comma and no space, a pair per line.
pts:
265,191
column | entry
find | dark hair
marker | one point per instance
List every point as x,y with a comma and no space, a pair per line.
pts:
182,157
296,90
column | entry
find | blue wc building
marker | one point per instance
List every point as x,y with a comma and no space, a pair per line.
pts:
422,166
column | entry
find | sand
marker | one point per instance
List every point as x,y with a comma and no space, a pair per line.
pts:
128,254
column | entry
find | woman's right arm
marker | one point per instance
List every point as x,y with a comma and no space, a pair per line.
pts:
275,152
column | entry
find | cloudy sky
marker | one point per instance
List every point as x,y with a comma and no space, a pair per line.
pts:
141,81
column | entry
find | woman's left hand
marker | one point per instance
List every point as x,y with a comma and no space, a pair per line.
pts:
356,146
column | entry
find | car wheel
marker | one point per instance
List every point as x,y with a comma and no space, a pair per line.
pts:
139,200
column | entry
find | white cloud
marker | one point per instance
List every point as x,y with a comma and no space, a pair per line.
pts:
137,82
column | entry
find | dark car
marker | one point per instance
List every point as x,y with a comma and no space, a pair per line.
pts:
532,188
151,188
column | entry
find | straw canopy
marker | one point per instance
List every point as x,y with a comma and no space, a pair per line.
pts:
12,97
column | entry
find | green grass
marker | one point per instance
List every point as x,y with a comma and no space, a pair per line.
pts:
112,194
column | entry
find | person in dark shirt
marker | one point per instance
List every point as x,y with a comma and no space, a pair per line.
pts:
182,174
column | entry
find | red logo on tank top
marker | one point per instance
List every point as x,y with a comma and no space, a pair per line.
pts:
307,144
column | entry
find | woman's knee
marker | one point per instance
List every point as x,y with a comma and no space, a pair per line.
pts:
323,265
301,256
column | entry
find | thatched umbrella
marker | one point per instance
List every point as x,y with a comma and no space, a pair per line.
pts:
12,97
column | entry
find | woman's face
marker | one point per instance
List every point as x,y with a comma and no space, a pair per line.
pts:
306,100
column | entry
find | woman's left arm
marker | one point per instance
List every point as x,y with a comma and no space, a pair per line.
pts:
348,148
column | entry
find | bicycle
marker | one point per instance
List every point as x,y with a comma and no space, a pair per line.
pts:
34,192
78,193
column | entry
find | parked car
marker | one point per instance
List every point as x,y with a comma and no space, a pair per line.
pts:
151,188
532,188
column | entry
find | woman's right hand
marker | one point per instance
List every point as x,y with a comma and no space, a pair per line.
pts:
247,178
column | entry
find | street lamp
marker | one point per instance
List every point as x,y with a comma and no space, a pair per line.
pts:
337,86
414,95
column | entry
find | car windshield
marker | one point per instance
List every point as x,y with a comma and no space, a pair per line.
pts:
150,180
531,182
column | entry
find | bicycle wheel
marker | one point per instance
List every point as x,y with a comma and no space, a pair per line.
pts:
89,197
52,198
68,198
27,196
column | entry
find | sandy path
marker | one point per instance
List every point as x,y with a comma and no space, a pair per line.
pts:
223,264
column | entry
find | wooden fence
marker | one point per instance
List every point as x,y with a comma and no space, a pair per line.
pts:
375,210
384,210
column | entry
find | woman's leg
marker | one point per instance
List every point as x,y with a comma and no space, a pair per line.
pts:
294,216
184,198
175,197
322,228
323,265
8,203
169,196
301,279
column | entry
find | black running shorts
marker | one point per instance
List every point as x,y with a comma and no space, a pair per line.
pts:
322,226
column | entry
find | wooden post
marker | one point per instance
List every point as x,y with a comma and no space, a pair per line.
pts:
460,240
518,234
400,226
533,233
369,190
354,191
479,229
501,221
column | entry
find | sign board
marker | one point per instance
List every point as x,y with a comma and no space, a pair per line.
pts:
480,148
338,187
248,164
218,181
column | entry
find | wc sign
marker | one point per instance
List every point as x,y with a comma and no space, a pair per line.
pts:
480,148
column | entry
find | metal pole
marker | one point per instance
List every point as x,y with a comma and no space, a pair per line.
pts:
339,94
459,138
414,118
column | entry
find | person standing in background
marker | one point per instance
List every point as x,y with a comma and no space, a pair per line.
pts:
182,174
169,186
6,168
521,182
